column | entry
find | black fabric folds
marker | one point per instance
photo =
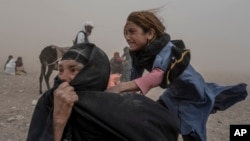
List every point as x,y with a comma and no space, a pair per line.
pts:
145,58
122,117
95,74
180,60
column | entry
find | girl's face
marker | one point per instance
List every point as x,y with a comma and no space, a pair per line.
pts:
135,36
68,69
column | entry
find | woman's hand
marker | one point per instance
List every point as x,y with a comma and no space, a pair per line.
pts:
64,99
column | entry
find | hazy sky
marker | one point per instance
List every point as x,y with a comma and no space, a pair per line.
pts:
216,31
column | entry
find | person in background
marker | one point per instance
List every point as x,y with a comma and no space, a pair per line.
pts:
187,96
116,63
9,58
82,36
126,71
9,67
19,66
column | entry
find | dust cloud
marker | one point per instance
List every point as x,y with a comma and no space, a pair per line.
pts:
217,32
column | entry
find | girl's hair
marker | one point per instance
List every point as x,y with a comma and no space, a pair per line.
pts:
147,19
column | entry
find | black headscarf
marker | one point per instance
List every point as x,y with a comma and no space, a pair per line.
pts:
96,70
103,116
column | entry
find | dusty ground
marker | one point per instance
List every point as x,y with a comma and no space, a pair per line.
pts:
18,92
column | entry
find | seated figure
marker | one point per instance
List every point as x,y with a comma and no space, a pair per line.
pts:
19,67
9,67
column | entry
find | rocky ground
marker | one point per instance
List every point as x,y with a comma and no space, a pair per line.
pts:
17,95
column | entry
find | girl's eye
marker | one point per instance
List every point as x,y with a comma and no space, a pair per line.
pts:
128,33
132,32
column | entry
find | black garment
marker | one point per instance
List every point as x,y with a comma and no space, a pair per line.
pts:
124,117
103,116
86,40
145,58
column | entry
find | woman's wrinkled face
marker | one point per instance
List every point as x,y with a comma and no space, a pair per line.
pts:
68,69
135,36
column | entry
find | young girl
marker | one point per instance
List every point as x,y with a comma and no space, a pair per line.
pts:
188,96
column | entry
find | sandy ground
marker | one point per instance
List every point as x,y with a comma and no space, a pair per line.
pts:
18,92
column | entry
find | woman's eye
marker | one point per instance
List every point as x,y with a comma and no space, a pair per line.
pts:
73,70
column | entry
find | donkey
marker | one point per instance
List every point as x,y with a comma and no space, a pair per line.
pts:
49,57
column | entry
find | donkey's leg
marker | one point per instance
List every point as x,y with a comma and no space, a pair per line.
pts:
42,74
49,72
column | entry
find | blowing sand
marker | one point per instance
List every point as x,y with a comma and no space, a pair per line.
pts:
18,92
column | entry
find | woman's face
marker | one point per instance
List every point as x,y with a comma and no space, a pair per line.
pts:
68,69
135,36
